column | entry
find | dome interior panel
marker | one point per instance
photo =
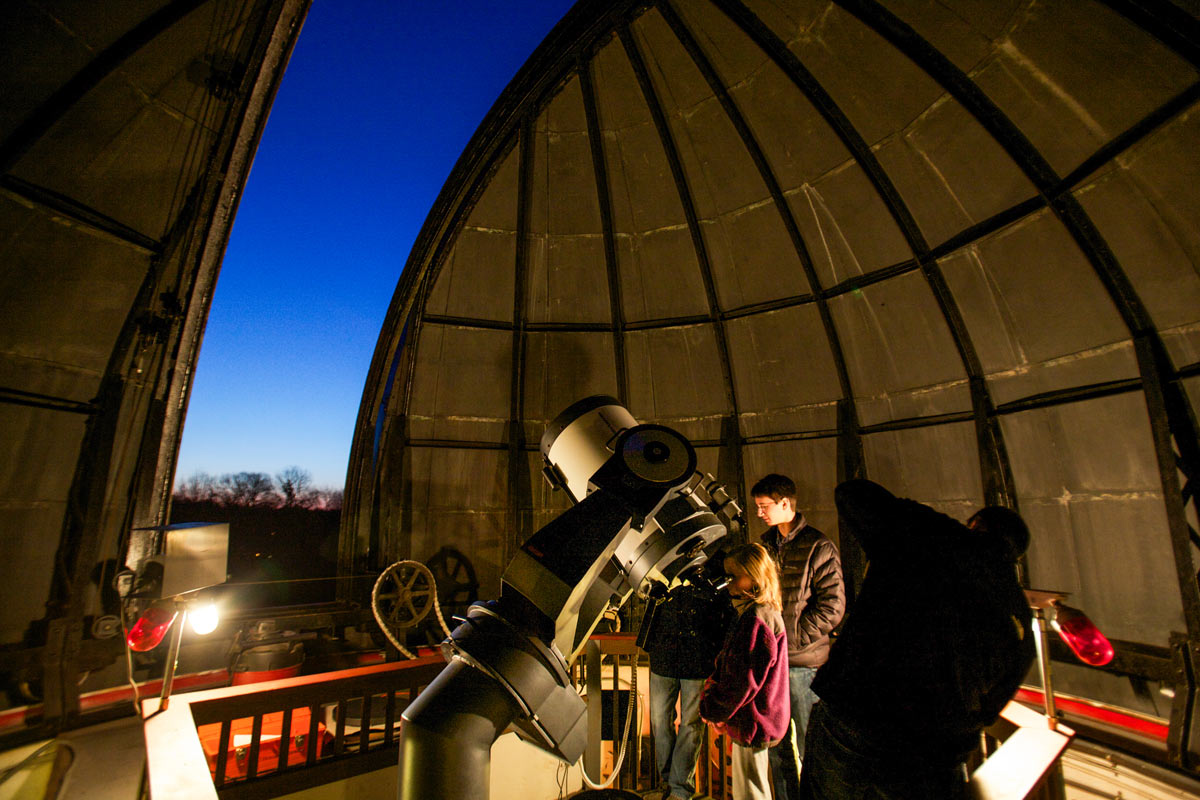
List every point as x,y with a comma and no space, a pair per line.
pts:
460,384
560,368
660,276
899,351
567,273
785,418
133,167
789,21
1191,388
644,195
50,57
961,30
1096,550
784,371
565,114
938,463
133,145
32,499
677,80
27,564
875,86
137,150
568,280
1012,288
676,379
30,371
460,498
1088,480
718,169
1079,680
496,208
620,103
846,227
564,200
1096,445
167,71
1145,206
708,462
950,172
797,142
753,258
36,488
1071,81
75,270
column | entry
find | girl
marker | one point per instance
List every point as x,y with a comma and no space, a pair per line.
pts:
747,695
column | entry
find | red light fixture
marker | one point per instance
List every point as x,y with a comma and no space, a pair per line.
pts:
152,626
1081,635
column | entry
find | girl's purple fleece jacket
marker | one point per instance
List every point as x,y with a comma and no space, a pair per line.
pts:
747,694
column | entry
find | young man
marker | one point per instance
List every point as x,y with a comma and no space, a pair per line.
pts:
814,600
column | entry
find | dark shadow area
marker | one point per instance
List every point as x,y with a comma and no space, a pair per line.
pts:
276,554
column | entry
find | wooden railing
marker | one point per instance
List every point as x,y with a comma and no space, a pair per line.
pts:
267,739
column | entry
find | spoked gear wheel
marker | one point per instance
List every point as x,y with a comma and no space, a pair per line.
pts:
403,595
457,587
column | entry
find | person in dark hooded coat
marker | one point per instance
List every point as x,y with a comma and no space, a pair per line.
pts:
936,643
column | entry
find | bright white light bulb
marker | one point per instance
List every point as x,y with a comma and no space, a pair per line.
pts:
204,618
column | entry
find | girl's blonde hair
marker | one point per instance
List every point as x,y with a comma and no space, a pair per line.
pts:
764,575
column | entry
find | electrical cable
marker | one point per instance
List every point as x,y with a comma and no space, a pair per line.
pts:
137,708
634,709
29,759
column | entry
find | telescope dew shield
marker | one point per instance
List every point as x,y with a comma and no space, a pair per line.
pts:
577,443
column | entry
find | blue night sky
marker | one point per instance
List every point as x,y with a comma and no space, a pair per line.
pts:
378,102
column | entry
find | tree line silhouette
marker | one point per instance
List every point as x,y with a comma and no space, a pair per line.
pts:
290,488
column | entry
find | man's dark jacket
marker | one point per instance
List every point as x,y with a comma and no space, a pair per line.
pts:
814,597
689,628
939,638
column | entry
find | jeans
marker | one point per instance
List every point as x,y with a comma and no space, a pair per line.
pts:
843,765
787,756
675,753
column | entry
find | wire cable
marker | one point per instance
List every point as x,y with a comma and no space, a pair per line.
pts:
634,709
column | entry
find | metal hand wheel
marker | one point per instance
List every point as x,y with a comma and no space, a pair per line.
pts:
403,595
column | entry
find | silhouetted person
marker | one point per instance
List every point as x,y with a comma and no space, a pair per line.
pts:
938,640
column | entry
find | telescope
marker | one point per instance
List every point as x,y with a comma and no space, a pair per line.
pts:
642,516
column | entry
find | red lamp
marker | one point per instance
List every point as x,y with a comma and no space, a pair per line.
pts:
152,626
1073,626
1081,635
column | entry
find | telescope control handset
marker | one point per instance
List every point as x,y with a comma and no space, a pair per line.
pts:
642,516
